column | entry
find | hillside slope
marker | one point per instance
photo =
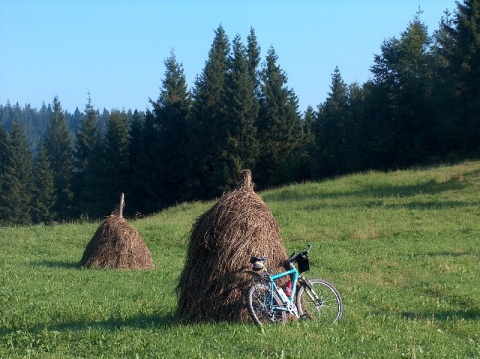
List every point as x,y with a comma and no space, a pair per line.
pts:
401,247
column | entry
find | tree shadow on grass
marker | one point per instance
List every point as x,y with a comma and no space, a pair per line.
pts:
57,264
470,314
378,191
139,321
453,254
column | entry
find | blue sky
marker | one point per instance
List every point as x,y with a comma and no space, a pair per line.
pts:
115,50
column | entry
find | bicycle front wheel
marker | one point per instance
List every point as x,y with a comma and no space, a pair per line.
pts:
259,303
319,301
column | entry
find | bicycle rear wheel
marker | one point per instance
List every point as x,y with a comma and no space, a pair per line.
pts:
319,301
259,305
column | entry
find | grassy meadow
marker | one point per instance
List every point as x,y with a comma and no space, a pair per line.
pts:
403,249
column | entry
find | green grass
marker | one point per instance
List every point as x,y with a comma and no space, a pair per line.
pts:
401,247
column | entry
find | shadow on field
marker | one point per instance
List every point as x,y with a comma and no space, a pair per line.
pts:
140,321
380,191
443,254
57,264
472,314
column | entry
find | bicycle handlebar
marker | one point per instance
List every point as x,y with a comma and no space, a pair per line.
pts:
294,257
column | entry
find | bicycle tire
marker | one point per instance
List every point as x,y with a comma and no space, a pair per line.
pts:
259,308
328,308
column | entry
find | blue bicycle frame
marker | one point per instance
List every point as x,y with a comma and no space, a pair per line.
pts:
285,307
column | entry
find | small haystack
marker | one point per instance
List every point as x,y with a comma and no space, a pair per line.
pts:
223,239
116,244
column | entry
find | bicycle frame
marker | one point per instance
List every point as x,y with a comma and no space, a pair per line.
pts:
285,307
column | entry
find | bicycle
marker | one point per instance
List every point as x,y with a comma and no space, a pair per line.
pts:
316,299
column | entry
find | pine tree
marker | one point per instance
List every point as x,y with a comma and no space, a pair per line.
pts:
85,141
253,56
238,143
404,72
278,124
43,191
59,147
15,177
459,42
116,167
135,193
355,157
145,171
171,116
3,147
205,128
306,147
92,193
331,130
4,156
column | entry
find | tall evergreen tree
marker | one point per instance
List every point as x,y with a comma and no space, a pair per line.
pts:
95,181
4,156
43,190
278,124
253,56
3,147
116,167
171,115
85,141
135,193
404,73
15,178
332,126
460,48
355,157
59,147
238,142
205,128
145,170
307,142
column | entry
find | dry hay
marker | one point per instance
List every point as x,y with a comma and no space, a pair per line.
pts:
116,244
222,241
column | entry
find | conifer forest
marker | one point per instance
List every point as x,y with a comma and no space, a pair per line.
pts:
420,107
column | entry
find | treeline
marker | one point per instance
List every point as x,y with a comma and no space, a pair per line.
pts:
422,105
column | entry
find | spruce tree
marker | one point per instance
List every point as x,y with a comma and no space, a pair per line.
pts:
3,147
460,48
135,192
145,171
253,56
59,147
171,116
4,156
117,172
238,143
92,193
15,177
307,141
278,124
404,72
205,128
85,141
355,158
331,130
43,191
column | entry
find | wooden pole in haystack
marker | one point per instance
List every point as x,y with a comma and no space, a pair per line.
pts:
122,205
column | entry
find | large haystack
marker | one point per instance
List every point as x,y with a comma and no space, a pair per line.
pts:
223,239
116,244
